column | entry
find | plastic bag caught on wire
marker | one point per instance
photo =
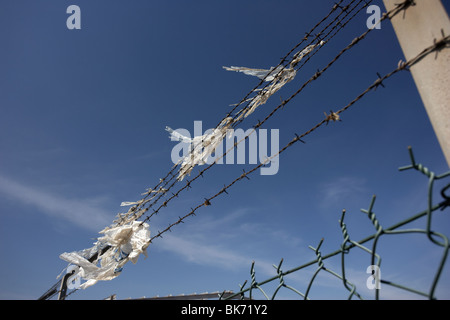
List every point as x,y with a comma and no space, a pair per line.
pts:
123,243
278,77
136,209
270,74
299,55
285,76
201,147
263,74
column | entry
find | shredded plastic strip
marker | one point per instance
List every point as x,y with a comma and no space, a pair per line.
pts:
125,243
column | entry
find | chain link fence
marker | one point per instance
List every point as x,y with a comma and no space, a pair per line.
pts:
368,245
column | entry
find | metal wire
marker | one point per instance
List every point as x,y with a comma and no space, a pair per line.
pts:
169,180
338,23
438,45
375,258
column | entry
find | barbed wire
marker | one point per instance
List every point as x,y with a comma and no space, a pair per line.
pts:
337,23
333,116
259,124
169,181
434,237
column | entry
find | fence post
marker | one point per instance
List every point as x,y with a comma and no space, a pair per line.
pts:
416,29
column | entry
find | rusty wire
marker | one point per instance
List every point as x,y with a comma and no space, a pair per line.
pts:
338,23
436,46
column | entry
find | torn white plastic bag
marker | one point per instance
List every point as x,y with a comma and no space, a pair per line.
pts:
271,74
133,212
278,77
261,98
125,244
263,74
201,146
299,55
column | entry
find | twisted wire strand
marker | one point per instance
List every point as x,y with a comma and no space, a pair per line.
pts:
349,244
201,172
339,24
298,138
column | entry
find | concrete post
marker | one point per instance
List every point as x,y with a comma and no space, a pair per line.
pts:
415,29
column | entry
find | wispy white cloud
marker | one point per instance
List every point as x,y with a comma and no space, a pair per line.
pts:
341,190
202,253
272,234
85,213
214,255
212,242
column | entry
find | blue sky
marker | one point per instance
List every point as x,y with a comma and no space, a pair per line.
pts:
82,122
